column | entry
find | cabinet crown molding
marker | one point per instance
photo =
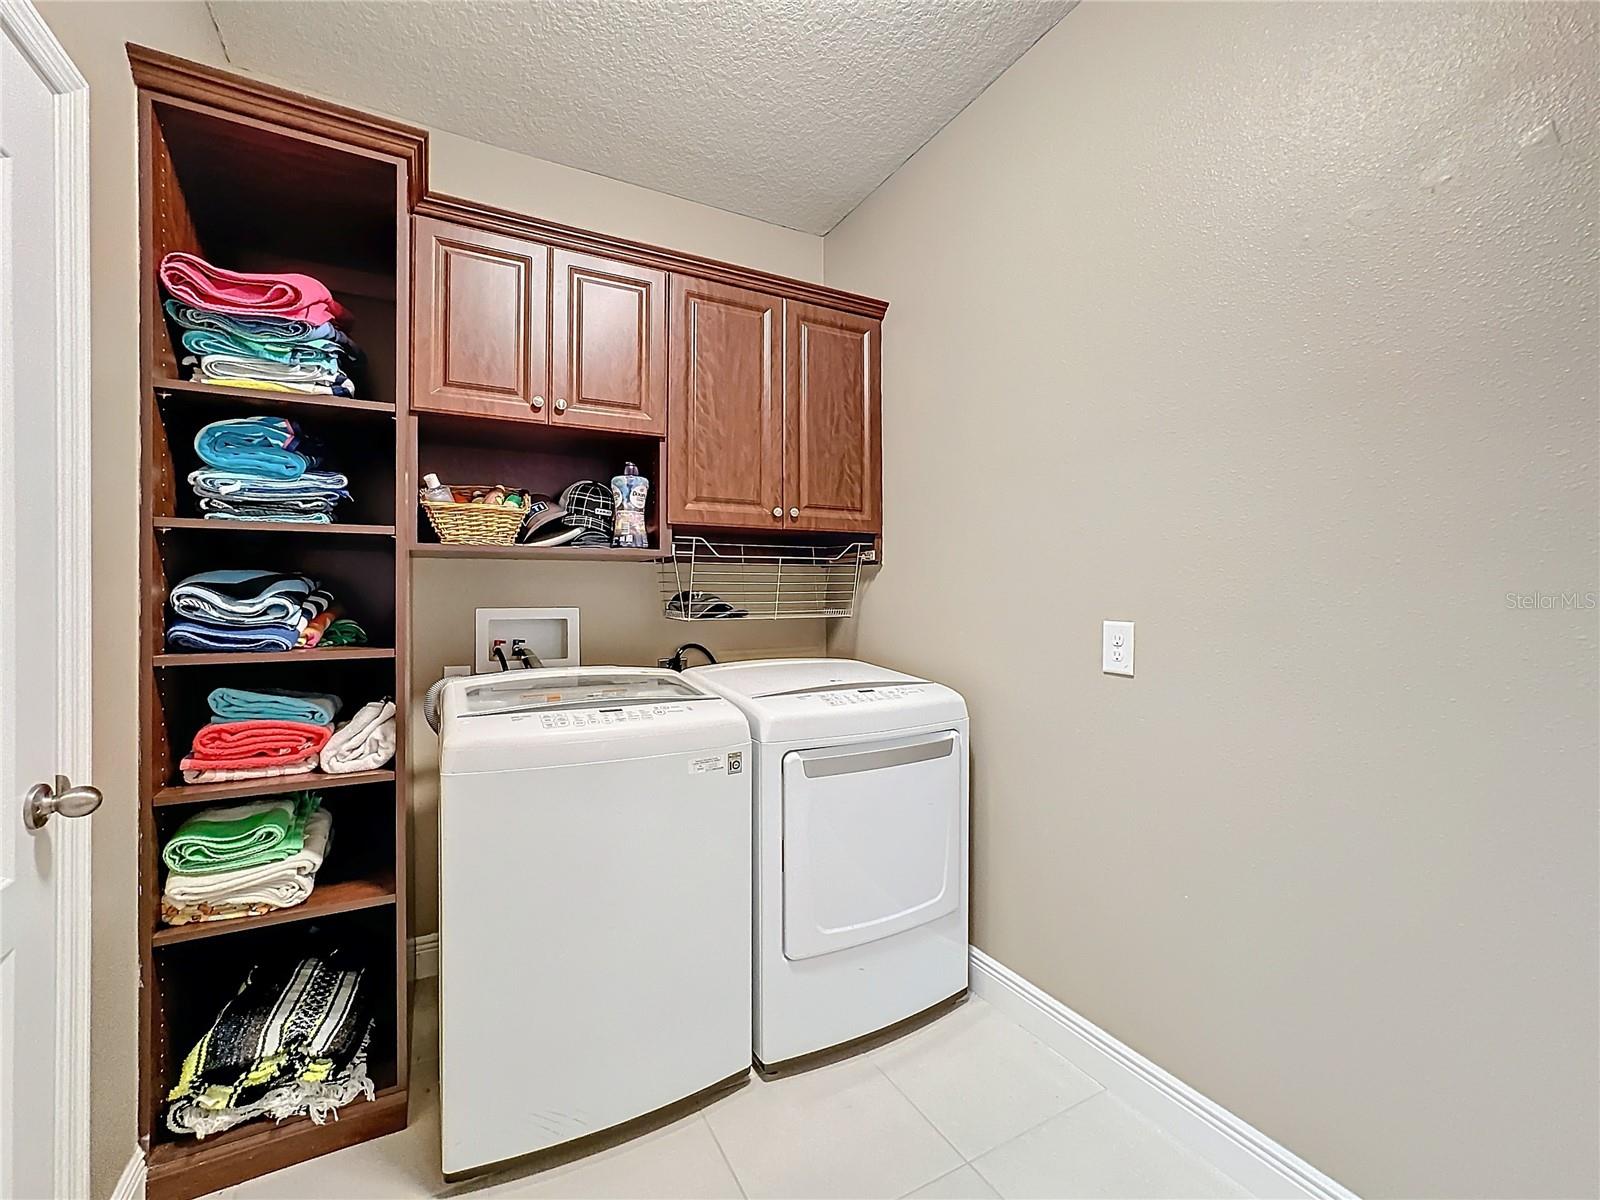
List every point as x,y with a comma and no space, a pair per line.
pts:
503,221
164,74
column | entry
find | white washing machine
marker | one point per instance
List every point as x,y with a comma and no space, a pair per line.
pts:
594,892
861,847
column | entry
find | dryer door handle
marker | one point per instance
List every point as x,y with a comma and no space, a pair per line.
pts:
821,766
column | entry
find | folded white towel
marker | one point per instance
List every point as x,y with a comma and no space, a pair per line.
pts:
234,774
282,884
363,743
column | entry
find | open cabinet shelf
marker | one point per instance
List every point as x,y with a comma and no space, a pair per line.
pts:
299,529
246,789
317,654
255,398
253,178
548,553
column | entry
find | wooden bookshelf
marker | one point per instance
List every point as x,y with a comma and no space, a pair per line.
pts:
255,178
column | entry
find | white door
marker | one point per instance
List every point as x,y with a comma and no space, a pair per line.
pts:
44,614
871,840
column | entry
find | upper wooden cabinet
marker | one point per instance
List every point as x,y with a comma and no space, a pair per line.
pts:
608,326
765,389
834,428
507,327
480,322
725,439
775,413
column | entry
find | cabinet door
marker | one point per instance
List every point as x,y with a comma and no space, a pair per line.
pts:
608,327
481,321
834,477
725,448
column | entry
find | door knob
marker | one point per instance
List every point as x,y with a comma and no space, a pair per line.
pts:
44,801
537,402
777,512
561,406
794,512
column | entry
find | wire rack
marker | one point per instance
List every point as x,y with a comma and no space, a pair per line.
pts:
706,580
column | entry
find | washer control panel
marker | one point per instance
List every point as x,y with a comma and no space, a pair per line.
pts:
601,718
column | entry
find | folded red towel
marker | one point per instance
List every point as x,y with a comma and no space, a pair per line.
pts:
193,280
254,743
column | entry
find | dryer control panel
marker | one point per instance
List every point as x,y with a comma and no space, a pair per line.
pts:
848,697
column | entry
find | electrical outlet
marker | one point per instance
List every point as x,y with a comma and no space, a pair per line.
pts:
1116,647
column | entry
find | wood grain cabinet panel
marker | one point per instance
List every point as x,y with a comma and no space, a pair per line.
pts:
725,445
481,314
608,327
834,477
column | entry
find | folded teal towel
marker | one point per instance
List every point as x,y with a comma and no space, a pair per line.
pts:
253,445
321,352
235,704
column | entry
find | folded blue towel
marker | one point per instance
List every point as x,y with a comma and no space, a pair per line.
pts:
235,704
276,329
262,446
239,598
320,352
193,635
220,510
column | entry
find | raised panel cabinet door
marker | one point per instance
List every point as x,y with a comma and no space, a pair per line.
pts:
725,440
833,420
481,321
608,330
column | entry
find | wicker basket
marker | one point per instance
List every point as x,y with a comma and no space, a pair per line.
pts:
473,524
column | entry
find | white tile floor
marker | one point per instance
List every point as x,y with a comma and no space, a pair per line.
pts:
969,1106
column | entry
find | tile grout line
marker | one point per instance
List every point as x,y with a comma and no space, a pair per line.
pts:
717,1142
930,1123
963,1167
973,1162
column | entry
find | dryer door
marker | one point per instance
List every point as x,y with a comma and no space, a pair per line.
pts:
871,840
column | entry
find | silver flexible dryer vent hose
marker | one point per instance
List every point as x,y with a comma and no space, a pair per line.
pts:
430,704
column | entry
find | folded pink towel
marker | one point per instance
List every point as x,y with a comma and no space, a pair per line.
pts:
192,280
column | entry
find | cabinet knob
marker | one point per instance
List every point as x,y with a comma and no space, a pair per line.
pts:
538,403
561,405
777,512
794,512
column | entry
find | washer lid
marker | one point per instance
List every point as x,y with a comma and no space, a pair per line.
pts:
561,688
566,715
795,699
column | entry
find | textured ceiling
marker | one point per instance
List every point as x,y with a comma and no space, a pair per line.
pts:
787,110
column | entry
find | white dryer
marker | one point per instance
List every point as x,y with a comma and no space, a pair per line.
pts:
860,847
594,891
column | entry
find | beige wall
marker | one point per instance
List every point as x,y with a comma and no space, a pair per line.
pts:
1273,329
620,622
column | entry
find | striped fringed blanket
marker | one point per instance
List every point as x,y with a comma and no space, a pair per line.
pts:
291,1042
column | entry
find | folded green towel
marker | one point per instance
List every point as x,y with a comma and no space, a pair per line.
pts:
244,835
343,632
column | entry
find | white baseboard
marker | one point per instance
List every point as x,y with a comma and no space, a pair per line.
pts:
425,956
130,1184
1234,1146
